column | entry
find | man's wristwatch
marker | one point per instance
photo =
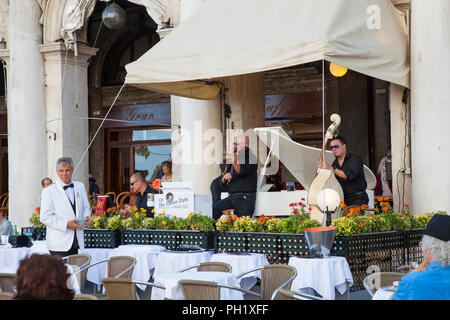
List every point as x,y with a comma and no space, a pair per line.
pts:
333,169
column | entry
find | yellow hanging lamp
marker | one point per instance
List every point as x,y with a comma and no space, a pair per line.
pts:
337,70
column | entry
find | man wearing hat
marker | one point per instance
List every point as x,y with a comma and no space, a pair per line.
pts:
431,279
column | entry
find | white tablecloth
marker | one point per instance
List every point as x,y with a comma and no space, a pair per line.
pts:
169,262
173,288
243,262
10,259
323,275
383,294
146,259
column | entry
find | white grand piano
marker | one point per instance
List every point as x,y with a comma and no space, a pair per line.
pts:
301,161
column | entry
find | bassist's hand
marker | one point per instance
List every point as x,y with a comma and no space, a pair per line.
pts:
324,165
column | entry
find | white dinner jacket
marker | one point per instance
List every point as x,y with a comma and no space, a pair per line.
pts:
56,211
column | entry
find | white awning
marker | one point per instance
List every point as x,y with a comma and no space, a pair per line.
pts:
233,37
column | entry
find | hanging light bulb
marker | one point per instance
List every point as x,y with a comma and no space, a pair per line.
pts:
337,70
114,17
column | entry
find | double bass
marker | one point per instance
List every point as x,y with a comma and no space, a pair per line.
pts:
325,179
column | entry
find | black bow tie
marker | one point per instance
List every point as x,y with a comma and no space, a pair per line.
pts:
68,186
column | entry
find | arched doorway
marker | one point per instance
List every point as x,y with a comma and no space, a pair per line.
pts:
139,136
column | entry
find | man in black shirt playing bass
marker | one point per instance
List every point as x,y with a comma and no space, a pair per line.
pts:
241,182
349,171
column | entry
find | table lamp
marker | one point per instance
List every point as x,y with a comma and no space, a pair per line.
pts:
328,201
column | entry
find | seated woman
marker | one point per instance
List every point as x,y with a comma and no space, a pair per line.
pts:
167,170
43,277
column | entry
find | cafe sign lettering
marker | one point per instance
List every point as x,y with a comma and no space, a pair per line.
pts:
139,115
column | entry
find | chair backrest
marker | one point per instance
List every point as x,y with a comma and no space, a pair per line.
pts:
200,290
83,296
119,289
6,296
113,194
80,260
213,266
377,280
7,282
120,199
4,200
116,265
273,276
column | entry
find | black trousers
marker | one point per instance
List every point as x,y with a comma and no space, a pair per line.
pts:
358,199
242,203
217,188
73,249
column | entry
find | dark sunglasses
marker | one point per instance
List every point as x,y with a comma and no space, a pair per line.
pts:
335,147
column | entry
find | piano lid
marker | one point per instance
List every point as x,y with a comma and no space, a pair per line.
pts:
299,159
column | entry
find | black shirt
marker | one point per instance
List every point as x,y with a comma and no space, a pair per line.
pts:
141,201
245,181
353,168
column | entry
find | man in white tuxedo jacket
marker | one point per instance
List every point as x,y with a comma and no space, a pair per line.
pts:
62,204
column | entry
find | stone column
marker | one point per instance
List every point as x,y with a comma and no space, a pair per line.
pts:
67,102
430,114
27,154
193,118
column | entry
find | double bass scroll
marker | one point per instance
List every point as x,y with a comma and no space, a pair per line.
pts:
325,178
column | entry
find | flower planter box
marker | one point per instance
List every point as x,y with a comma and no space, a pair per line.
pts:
202,239
40,233
136,237
34,233
293,245
231,242
268,244
413,252
165,238
101,238
370,252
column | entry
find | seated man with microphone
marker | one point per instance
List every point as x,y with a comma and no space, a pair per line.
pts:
241,182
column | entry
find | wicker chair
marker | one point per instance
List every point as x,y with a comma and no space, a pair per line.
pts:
7,282
7,296
273,278
207,290
285,294
113,195
123,289
210,266
4,205
118,267
79,260
377,280
122,197
84,296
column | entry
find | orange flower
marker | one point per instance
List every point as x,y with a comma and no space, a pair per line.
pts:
38,209
350,214
234,217
261,221
361,225
369,214
164,222
386,199
385,209
228,220
156,183
380,199
377,210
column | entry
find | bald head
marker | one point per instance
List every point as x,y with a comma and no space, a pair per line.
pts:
137,183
